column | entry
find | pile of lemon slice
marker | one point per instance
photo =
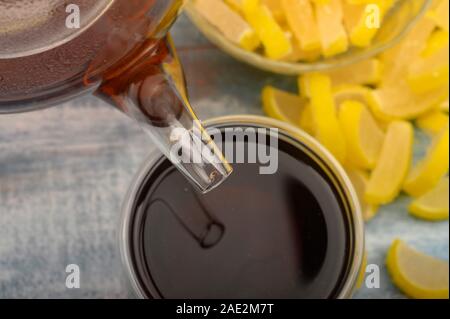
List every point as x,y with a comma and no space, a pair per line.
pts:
366,115
297,30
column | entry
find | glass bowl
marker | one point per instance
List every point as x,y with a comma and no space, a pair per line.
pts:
398,21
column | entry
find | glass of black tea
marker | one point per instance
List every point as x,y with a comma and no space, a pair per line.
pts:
286,224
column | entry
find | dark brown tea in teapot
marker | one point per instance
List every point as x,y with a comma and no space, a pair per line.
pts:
62,48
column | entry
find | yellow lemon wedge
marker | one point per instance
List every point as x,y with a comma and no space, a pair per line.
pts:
427,173
341,92
360,94
282,105
430,73
437,41
301,19
398,59
433,122
327,128
393,164
363,21
321,1
307,120
440,15
303,86
352,92
228,22
399,102
366,72
444,106
276,43
236,5
360,179
434,204
276,8
298,54
382,3
363,135
418,275
425,82
333,35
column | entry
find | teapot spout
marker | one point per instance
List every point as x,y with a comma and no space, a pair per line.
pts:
153,92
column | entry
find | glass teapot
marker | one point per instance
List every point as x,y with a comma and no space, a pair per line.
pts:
55,50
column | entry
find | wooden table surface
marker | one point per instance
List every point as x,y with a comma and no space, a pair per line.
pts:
64,172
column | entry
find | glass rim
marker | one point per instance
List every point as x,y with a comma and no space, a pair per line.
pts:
356,221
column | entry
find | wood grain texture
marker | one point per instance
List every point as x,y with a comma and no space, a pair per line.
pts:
64,172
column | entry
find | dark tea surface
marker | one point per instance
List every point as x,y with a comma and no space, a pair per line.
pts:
256,236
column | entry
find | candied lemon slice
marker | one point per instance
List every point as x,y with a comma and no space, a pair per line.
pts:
398,59
444,106
430,73
433,122
393,164
427,173
434,204
307,120
276,43
425,82
301,19
341,92
367,72
231,24
346,92
282,105
381,3
327,128
236,5
363,135
303,86
418,275
332,33
360,94
276,9
321,1
440,14
437,41
363,21
400,102
360,180
298,54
